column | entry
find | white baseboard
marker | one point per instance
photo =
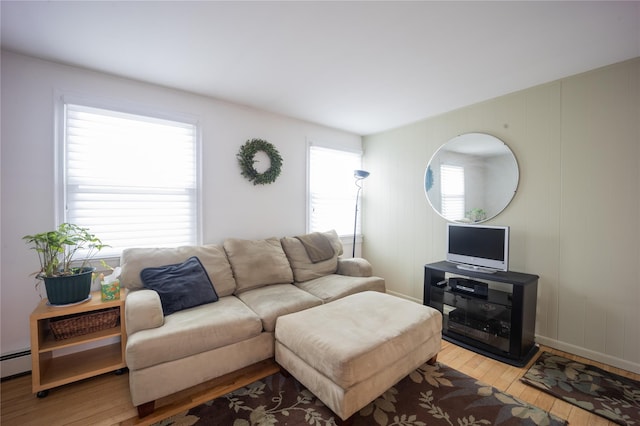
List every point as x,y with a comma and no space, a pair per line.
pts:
404,296
589,354
17,363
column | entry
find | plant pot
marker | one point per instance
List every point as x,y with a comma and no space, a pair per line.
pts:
68,289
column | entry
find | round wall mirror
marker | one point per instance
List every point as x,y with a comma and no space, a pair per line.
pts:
471,178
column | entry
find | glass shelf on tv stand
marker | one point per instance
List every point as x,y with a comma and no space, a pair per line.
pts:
486,320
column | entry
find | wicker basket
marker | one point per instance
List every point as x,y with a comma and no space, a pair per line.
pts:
78,324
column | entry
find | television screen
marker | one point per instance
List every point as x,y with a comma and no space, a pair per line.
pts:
478,247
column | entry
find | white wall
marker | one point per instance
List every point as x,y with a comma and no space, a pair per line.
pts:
575,219
232,206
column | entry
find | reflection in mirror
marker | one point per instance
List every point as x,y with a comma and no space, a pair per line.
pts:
471,178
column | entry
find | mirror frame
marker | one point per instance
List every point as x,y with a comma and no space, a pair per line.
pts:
476,151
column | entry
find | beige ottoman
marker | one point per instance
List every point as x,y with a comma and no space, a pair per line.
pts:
350,351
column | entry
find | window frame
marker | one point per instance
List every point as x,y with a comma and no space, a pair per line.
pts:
346,238
118,107
448,198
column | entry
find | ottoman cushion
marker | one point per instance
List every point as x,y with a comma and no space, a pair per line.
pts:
354,338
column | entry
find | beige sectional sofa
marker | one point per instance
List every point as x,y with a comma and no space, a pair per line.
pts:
256,281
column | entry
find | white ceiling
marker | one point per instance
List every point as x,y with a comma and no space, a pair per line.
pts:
359,66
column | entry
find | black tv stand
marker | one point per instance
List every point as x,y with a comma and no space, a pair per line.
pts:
499,322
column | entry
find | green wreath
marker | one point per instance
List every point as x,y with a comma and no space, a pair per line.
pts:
246,159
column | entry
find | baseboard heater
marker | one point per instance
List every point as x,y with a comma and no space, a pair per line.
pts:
15,364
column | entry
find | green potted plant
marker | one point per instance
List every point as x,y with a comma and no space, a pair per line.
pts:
66,279
476,215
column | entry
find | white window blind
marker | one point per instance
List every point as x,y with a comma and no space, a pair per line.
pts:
332,190
131,179
452,191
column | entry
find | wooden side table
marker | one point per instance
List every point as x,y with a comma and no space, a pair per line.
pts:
58,362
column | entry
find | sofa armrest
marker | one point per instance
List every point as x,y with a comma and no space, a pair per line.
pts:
142,310
354,267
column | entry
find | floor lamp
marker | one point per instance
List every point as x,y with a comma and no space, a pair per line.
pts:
359,175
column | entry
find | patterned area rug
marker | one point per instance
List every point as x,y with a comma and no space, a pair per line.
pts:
611,396
431,395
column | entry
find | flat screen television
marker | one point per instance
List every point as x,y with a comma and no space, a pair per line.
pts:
478,247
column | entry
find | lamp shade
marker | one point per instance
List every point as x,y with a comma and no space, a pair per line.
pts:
360,174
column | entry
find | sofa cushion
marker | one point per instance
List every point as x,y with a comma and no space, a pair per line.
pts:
256,263
193,331
272,301
332,287
304,269
212,257
180,286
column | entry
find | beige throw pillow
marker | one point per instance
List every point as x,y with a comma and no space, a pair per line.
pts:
257,263
303,268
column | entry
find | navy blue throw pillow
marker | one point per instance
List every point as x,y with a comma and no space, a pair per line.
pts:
180,286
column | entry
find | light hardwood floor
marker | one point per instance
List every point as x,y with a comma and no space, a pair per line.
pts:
104,400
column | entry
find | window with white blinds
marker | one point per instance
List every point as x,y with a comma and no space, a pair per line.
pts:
332,190
131,179
452,191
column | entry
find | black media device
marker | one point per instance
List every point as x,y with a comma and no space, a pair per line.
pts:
469,286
